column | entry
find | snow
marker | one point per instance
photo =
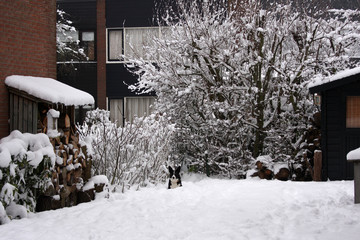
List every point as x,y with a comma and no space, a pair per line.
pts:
54,113
3,217
35,146
340,75
205,209
353,155
50,90
7,193
95,180
14,210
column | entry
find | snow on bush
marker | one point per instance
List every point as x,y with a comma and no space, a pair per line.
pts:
25,164
136,154
3,215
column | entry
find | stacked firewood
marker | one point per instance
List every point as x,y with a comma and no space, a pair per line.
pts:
72,170
264,172
303,169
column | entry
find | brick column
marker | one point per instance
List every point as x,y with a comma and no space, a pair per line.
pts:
50,45
28,45
101,53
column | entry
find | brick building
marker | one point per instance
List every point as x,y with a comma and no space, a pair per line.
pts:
27,45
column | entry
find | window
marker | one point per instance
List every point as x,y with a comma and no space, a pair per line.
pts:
129,108
87,43
116,111
79,41
115,49
135,39
353,112
138,107
129,41
68,36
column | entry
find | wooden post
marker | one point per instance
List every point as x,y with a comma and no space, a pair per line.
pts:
357,181
356,176
317,165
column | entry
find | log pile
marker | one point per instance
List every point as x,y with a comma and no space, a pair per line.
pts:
72,170
303,169
264,172
296,172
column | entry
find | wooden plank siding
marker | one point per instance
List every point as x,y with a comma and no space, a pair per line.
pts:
332,138
23,114
337,140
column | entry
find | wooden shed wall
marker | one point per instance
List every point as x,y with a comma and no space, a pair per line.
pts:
23,114
337,139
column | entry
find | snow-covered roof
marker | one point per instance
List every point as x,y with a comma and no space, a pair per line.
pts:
317,82
50,90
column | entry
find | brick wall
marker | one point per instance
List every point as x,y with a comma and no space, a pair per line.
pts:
101,54
27,44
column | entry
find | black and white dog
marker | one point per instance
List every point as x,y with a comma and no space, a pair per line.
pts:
175,179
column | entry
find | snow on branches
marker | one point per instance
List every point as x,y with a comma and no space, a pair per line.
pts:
66,45
233,78
136,154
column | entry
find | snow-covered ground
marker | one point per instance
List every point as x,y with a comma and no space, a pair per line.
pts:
205,209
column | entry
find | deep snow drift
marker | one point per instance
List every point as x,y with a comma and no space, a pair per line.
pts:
205,209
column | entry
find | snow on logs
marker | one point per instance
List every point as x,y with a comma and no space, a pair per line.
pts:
72,169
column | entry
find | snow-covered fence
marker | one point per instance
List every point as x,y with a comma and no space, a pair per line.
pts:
135,154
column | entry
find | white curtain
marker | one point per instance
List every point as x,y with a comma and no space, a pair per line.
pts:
136,38
116,111
115,44
138,106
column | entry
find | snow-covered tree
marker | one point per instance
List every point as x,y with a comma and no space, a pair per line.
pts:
134,155
67,46
233,77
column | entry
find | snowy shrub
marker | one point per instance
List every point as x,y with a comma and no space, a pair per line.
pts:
234,79
135,154
26,161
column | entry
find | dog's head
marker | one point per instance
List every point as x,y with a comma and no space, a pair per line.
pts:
175,179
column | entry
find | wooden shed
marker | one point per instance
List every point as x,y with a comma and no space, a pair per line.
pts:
31,98
340,121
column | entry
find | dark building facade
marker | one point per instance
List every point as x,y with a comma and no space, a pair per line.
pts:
27,45
117,27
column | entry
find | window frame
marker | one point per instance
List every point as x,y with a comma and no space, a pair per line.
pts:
124,43
125,113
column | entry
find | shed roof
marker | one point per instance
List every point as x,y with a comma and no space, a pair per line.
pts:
340,79
50,90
